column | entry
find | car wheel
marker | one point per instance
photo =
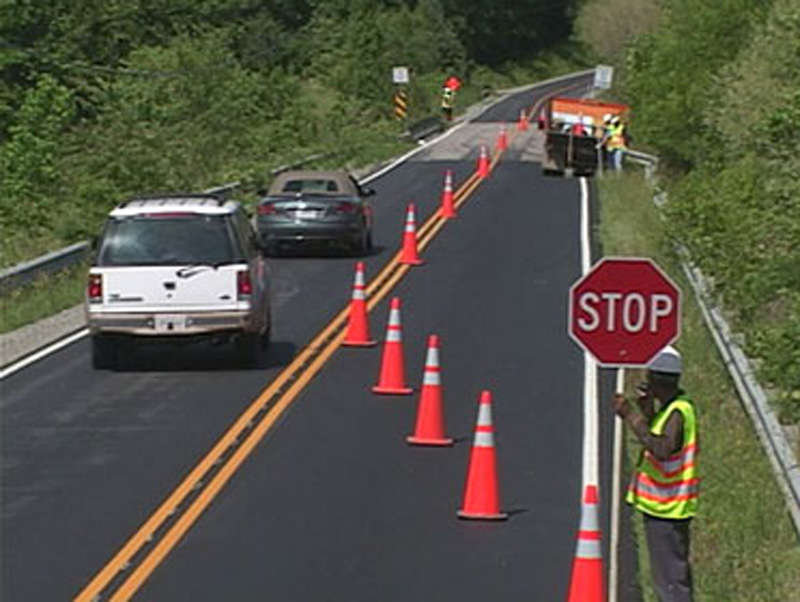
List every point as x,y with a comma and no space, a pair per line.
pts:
105,352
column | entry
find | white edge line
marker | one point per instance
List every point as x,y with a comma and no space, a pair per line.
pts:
616,483
591,429
43,352
411,153
590,410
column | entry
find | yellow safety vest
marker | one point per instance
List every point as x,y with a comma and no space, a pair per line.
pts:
448,98
616,139
668,489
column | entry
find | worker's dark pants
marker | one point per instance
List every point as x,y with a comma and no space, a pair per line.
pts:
668,542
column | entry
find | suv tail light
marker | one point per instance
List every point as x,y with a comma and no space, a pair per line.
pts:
244,285
267,209
94,288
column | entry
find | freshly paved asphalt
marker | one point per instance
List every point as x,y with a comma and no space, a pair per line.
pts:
332,505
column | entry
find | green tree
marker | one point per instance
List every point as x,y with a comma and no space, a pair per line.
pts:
669,74
28,161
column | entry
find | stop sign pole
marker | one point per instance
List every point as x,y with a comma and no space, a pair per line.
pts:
624,311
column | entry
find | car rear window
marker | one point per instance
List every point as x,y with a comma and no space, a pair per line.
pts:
312,186
168,240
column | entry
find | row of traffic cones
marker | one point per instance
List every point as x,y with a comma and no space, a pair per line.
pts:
481,492
484,162
481,499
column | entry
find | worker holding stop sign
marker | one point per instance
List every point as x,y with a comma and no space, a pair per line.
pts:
626,312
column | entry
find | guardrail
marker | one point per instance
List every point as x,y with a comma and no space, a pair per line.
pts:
649,162
51,263
419,130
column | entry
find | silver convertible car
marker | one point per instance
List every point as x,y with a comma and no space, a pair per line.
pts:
303,208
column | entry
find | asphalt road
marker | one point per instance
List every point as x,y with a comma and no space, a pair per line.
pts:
332,504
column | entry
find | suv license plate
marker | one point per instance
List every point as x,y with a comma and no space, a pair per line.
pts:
170,323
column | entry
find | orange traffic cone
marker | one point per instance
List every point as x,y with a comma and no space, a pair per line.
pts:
482,492
392,379
483,162
430,415
409,255
541,120
358,326
522,124
448,206
586,583
502,139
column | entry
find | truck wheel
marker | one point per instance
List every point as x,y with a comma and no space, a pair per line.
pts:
105,352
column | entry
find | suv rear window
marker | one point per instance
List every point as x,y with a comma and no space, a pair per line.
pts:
310,186
168,240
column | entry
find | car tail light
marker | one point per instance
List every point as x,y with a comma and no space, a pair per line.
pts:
244,285
267,209
346,208
94,288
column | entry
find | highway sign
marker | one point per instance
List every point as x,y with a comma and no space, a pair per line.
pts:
603,75
400,75
624,310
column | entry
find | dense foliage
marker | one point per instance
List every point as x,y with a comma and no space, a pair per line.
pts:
715,90
100,99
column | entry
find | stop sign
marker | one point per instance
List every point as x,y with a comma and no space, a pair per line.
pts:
624,311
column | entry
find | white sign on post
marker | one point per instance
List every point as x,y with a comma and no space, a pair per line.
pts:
400,75
603,75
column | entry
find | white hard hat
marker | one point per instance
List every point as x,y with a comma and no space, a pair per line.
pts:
615,119
606,117
668,361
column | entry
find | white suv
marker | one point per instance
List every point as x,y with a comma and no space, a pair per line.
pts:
178,267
